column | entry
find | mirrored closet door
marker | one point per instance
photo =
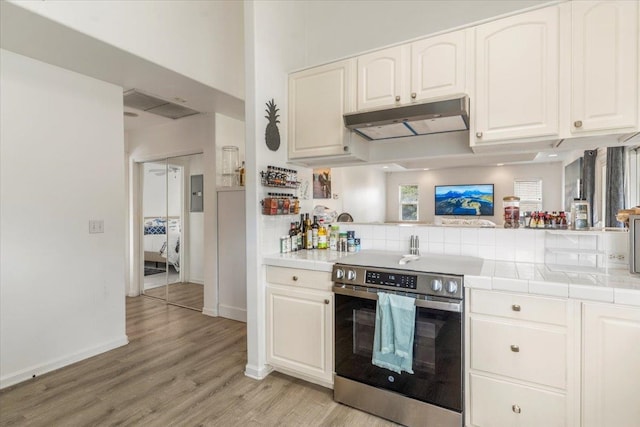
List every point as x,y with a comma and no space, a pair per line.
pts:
182,246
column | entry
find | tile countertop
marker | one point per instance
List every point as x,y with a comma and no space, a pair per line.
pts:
616,286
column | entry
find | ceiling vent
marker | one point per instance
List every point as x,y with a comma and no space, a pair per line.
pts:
151,104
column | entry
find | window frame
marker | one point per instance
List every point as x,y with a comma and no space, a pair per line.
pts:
401,203
523,201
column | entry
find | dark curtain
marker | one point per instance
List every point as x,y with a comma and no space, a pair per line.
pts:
615,186
589,180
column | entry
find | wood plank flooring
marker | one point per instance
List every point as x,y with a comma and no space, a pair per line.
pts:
181,368
186,294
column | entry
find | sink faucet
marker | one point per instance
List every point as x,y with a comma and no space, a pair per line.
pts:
414,245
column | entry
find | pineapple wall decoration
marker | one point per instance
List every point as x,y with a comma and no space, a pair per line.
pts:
272,134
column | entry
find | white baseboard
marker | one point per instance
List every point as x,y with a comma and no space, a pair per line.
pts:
210,312
28,373
257,372
233,313
196,281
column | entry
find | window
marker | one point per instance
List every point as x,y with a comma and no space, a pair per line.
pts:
530,193
408,203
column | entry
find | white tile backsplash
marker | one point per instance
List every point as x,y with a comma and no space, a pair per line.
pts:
452,236
436,234
452,248
469,236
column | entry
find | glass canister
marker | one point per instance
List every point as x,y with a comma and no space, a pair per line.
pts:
511,206
579,214
230,166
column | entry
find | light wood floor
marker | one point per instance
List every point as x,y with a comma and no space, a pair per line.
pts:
187,294
181,368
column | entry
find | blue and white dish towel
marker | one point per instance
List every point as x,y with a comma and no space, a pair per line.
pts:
393,335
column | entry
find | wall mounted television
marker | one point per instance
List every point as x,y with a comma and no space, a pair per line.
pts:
470,199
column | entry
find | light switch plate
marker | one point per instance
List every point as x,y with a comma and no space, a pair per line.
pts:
96,226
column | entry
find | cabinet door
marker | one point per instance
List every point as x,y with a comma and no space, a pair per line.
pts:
611,367
382,78
300,331
517,77
438,66
605,65
318,98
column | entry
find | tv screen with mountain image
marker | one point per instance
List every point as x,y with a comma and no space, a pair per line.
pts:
474,200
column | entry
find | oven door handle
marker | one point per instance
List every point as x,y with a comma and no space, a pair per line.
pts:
437,305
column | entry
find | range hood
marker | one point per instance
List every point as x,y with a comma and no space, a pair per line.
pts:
416,119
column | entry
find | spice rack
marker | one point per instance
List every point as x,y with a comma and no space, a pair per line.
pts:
280,203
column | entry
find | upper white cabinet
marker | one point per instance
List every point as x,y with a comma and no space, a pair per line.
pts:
604,53
517,73
611,372
428,68
438,66
382,78
318,98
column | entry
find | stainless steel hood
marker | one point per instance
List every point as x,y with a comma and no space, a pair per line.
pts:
416,119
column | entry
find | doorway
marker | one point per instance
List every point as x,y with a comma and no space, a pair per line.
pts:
173,231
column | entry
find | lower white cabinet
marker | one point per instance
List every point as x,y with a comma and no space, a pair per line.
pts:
611,365
300,324
520,350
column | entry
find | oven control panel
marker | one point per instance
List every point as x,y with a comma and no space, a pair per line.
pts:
404,281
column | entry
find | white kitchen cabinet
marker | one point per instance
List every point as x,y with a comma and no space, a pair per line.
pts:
517,76
318,98
382,78
611,370
520,352
604,54
431,68
299,310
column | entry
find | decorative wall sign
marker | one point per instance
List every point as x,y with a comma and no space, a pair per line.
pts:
322,183
272,134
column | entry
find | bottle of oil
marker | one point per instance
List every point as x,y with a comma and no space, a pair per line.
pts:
299,236
322,236
314,232
308,232
293,235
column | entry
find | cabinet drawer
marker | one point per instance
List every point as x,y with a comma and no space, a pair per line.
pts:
520,307
297,277
500,403
524,353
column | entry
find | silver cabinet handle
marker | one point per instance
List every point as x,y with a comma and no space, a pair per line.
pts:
295,278
478,134
515,307
327,301
516,409
515,348
413,95
578,123
398,98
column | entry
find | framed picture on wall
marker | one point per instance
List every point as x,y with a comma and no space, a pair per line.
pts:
322,183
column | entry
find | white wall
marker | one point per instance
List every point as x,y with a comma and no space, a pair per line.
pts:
202,40
61,288
190,135
501,176
334,29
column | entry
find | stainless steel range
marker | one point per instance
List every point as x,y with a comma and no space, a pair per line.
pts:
434,394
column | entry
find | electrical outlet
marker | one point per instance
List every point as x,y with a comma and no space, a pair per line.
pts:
617,257
96,226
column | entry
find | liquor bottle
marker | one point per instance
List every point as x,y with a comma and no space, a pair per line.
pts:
293,235
299,237
314,232
322,236
308,232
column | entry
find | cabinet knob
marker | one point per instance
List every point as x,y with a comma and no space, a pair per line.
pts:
413,95
295,278
515,307
578,123
478,134
327,301
515,348
516,409
398,98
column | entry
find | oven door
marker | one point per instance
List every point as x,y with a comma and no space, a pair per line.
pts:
437,351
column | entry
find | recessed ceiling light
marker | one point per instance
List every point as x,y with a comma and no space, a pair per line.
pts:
500,164
553,155
425,169
178,99
130,114
385,167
